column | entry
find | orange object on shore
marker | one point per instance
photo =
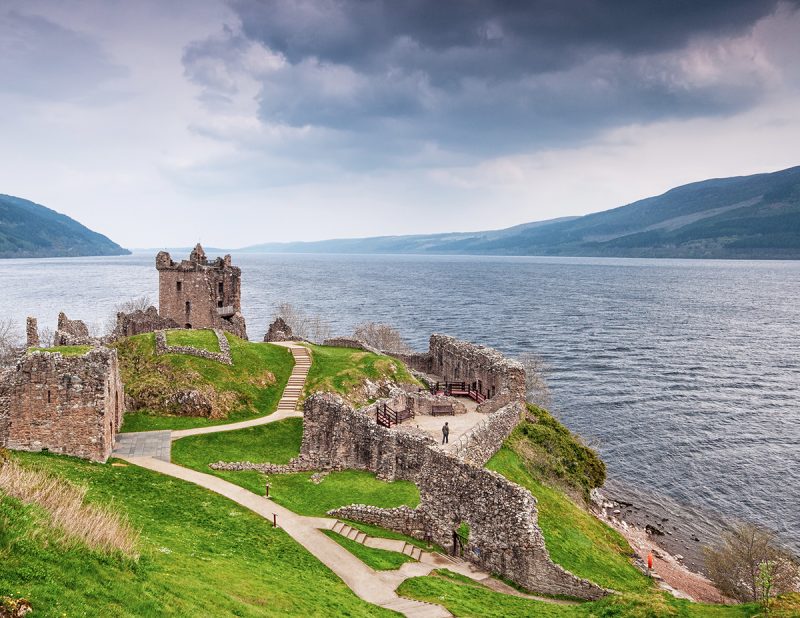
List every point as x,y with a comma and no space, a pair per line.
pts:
650,560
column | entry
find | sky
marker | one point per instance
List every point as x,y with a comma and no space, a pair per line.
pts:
232,123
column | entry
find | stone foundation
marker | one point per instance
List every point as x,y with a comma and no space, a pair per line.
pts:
139,322
66,404
223,356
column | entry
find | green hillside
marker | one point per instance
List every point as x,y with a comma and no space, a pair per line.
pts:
30,230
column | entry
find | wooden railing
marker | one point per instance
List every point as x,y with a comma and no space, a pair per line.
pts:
388,417
459,389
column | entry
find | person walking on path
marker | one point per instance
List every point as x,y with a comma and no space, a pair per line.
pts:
445,433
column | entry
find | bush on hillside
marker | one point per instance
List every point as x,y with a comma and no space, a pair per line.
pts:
554,454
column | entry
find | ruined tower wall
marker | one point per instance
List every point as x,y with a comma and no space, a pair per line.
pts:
197,293
72,405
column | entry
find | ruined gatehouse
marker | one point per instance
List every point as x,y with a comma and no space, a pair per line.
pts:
198,293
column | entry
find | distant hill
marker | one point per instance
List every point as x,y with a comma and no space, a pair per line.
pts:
756,217
31,230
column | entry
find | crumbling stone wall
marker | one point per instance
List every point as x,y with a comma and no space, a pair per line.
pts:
196,293
279,330
223,356
67,404
485,369
482,441
71,332
504,536
346,342
32,332
139,322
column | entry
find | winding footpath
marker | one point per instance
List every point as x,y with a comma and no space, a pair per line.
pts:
151,450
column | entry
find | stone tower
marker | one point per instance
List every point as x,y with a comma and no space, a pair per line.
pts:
197,293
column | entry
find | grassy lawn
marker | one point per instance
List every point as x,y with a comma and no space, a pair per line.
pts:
204,339
472,599
343,371
65,350
278,443
575,539
378,559
201,555
249,388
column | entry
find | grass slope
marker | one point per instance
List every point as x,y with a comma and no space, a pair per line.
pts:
344,370
251,386
378,559
278,443
575,539
201,555
472,599
65,350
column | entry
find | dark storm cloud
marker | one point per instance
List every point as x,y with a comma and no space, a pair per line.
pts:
483,76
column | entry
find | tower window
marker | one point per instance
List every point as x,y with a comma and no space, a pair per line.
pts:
179,285
188,307
221,288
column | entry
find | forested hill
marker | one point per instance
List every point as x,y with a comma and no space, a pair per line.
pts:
742,217
31,230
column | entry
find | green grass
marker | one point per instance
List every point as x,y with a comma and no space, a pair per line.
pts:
201,555
378,559
204,339
344,370
65,350
249,388
277,443
575,539
472,599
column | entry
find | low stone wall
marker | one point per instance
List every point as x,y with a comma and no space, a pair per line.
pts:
139,322
67,404
223,356
504,537
346,342
485,439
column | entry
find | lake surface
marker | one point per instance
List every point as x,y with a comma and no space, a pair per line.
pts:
685,374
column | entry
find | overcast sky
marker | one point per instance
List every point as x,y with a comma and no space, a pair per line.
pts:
165,123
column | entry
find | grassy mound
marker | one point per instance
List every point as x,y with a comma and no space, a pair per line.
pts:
278,443
203,339
346,370
201,555
250,387
467,598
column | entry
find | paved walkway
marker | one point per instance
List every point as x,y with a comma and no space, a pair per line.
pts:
151,450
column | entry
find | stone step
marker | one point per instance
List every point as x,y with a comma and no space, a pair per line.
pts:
417,609
408,550
352,533
360,537
416,553
337,527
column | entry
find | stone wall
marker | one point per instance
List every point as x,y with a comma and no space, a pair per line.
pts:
196,293
223,356
346,342
485,369
139,322
71,332
67,404
32,332
482,441
504,536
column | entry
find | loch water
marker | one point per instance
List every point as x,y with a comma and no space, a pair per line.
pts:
685,374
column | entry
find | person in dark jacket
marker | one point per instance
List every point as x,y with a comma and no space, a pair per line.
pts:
445,433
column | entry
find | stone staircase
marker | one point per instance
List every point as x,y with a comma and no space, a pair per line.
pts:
395,545
297,379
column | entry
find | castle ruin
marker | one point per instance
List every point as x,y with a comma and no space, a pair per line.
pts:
196,293
71,405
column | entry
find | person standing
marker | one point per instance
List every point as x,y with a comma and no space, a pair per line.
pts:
650,562
445,433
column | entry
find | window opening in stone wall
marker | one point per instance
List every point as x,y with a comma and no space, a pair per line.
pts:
188,307
179,285
221,288
48,397
188,325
